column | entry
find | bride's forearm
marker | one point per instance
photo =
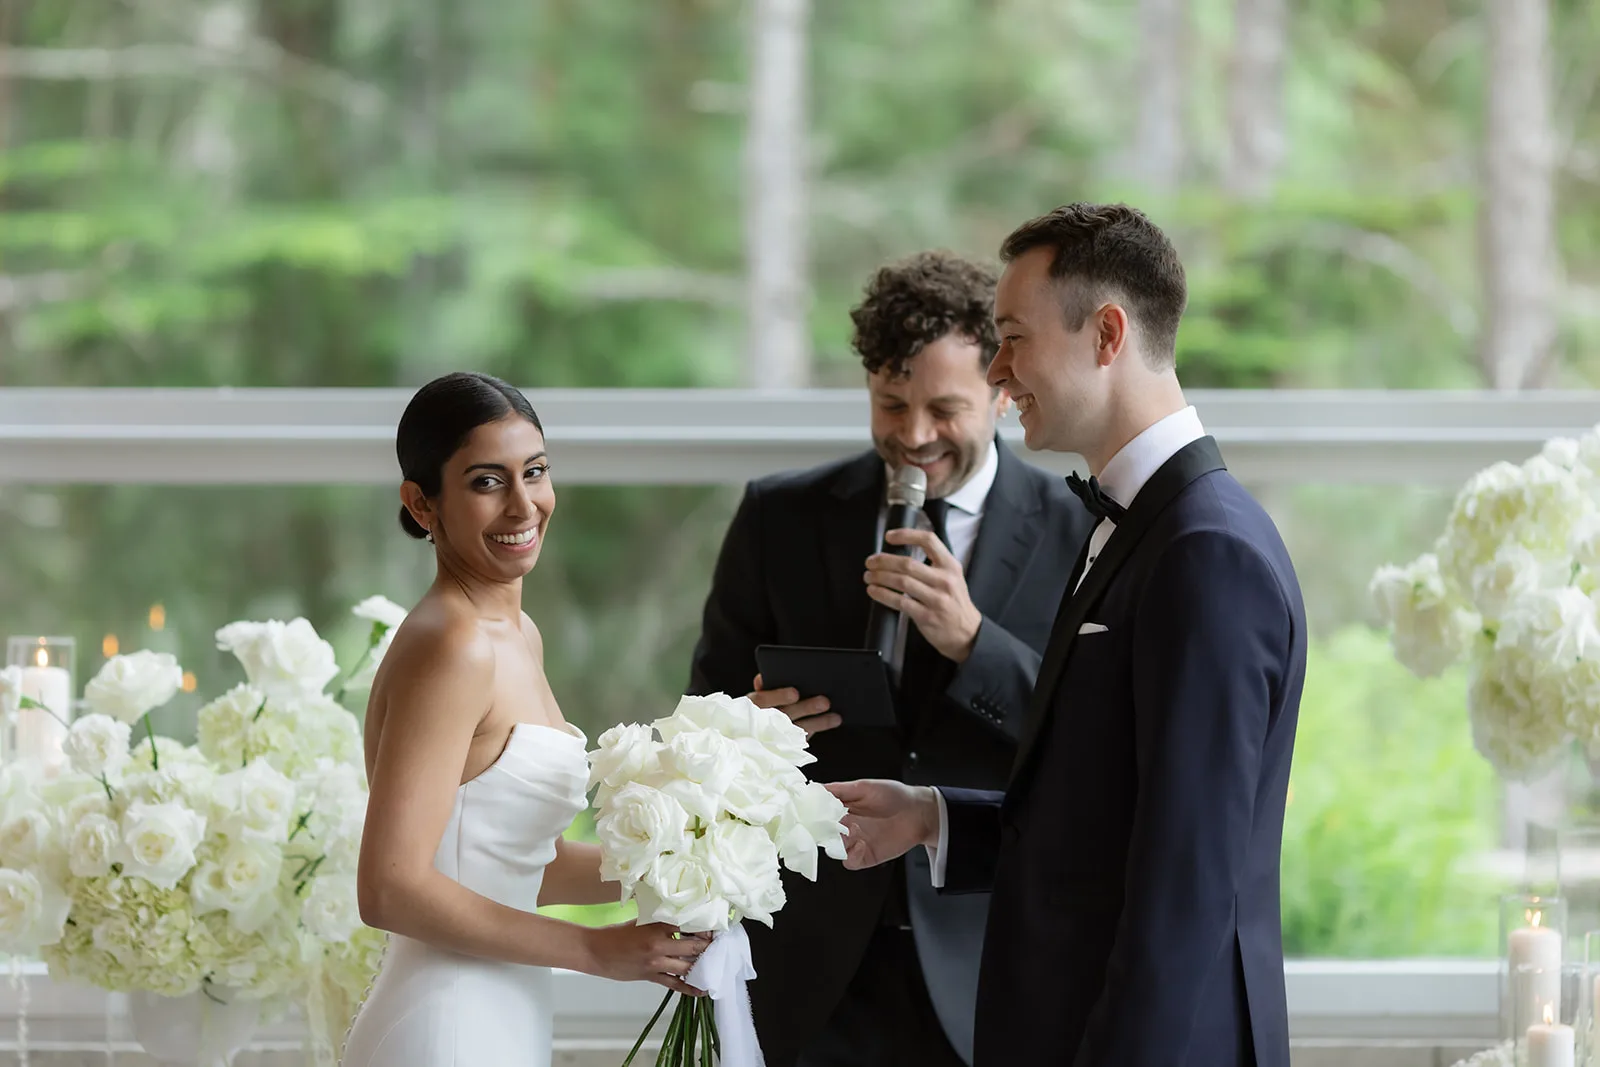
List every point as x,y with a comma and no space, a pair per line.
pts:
573,877
441,912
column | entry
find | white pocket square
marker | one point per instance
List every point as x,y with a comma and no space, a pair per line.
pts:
1092,628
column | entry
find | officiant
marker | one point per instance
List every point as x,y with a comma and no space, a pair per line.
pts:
872,968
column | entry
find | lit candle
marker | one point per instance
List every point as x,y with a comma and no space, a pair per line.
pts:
39,734
1536,947
1551,1044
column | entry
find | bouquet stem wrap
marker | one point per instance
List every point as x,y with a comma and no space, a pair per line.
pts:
722,971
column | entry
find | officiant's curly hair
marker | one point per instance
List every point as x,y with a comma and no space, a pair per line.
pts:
438,421
918,300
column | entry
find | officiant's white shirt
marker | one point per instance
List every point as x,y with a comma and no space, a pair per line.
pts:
960,526
1125,474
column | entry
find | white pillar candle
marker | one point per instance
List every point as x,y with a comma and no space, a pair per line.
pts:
39,734
1551,1045
1535,946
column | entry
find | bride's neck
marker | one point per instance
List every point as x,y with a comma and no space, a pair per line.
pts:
498,601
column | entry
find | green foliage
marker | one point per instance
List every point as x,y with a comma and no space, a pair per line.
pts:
1390,808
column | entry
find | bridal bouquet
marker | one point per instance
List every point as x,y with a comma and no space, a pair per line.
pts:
696,812
226,867
1511,587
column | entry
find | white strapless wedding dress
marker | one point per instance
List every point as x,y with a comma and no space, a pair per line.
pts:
431,1008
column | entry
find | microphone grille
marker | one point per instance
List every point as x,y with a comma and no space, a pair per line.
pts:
908,485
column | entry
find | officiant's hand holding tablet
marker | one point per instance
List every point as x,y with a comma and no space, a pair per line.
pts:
823,688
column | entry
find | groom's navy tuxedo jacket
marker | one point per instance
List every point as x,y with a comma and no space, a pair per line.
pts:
790,572
1134,855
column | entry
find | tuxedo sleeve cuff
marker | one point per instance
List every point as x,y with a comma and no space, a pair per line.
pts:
938,854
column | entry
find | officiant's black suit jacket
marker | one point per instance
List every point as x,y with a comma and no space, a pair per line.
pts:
790,572
1134,856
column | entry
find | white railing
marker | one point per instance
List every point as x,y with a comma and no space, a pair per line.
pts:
1328,1000
638,437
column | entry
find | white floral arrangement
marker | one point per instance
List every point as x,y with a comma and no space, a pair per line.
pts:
1502,1055
1510,587
227,866
695,814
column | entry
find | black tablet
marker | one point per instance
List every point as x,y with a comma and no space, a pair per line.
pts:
855,680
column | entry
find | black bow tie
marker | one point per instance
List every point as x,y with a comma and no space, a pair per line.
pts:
1100,505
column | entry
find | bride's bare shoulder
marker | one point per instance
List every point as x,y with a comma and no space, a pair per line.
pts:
439,634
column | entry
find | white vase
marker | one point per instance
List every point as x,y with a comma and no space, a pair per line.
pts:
203,1029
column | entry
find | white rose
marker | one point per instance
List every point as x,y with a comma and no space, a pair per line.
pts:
636,825
158,842
27,839
677,888
758,794
97,744
704,757
380,609
33,912
814,819
92,845
744,868
742,720
330,909
240,881
131,685
281,659
626,753
258,801
10,690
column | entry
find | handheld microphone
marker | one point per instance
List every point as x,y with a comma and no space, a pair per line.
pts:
908,488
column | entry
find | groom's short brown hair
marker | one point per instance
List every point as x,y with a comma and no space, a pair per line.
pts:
1111,251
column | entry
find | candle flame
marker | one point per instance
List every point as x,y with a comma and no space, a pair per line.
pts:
1534,916
42,658
1549,1017
189,681
158,617
109,645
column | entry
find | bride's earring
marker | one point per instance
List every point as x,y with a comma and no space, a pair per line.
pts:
430,537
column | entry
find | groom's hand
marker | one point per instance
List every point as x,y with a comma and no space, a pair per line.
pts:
886,819
811,714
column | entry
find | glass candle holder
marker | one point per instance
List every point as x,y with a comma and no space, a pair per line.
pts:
1532,929
1547,1023
48,666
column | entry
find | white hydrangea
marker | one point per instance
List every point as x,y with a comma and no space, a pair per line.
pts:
1430,630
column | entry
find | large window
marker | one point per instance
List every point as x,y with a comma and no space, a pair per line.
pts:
1394,821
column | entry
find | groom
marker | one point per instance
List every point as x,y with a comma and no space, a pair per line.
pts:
1134,855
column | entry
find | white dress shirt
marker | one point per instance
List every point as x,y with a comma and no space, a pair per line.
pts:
1124,475
960,525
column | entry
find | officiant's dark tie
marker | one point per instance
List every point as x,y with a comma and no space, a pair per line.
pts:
1100,505
922,672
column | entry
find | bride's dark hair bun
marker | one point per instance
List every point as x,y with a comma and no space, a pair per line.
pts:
438,421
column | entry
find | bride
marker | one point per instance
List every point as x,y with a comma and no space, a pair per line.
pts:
474,774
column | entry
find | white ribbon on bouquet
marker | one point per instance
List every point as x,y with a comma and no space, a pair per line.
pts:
722,971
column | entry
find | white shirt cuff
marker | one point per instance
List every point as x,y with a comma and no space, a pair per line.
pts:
938,853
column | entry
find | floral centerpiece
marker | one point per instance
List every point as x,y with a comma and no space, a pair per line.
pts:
225,868
696,812
1510,588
